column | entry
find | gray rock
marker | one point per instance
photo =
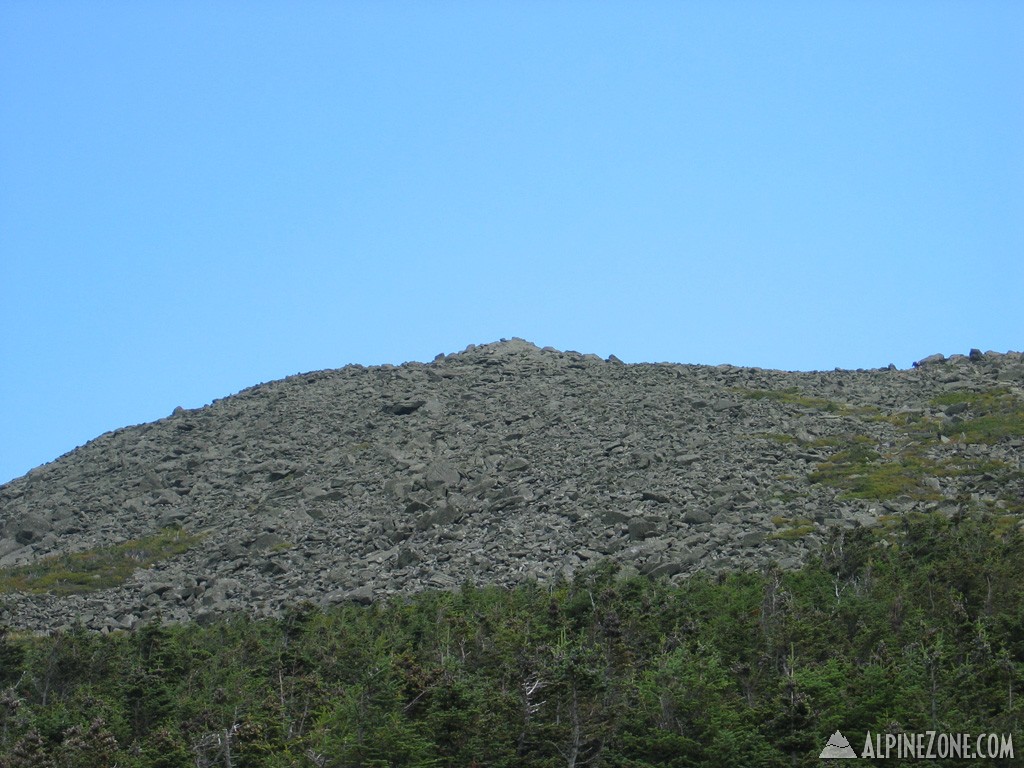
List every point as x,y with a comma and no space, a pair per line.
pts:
665,569
641,529
441,517
697,516
1011,374
658,498
267,541
407,557
7,546
404,407
362,595
32,528
693,557
157,588
173,517
614,517
931,360
16,557
726,404
441,475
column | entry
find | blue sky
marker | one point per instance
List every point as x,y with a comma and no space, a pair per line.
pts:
197,197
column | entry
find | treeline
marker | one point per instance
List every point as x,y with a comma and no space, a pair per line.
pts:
922,629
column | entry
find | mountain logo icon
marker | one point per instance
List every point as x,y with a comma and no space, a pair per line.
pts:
837,746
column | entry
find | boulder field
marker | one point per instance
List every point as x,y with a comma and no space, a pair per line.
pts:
503,463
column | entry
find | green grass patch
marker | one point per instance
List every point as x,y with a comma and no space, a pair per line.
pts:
1004,524
863,473
843,441
794,532
987,398
778,437
793,396
791,528
788,496
94,569
861,469
989,417
1013,505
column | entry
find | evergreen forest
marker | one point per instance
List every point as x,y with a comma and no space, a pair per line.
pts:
912,626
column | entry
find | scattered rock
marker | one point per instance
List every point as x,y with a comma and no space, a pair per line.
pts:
697,516
931,360
665,569
32,528
658,498
266,541
502,463
7,546
614,517
441,475
406,557
641,529
362,595
404,408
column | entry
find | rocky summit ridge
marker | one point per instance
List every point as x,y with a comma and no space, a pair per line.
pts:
503,463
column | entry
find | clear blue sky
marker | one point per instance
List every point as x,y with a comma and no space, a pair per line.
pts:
197,197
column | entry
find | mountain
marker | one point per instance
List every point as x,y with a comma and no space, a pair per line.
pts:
499,464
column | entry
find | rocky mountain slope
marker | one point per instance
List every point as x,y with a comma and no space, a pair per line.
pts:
501,463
